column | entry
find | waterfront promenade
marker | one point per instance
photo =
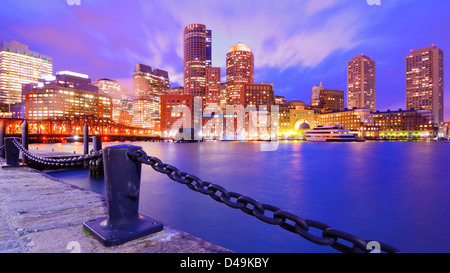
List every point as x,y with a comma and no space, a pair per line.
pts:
40,214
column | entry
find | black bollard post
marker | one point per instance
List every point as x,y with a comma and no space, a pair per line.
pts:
97,143
11,153
2,137
86,139
122,184
24,140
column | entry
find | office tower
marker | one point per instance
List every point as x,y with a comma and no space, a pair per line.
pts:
60,97
114,90
197,50
213,86
240,70
425,81
18,66
361,83
148,86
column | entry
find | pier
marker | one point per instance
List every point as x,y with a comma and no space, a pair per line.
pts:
40,214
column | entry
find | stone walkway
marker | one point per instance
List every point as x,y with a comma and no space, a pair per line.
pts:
41,214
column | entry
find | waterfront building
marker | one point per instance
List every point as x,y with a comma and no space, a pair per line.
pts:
213,86
19,66
327,99
361,83
240,70
148,86
169,117
405,123
425,81
359,120
197,45
54,99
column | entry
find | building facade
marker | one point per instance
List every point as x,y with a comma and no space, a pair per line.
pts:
359,120
361,83
195,41
213,86
425,81
114,90
56,100
148,86
405,123
169,116
18,66
240,70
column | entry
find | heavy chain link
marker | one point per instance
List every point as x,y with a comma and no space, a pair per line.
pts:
66,162
330,236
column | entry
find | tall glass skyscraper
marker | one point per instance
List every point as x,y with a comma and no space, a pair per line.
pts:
18,66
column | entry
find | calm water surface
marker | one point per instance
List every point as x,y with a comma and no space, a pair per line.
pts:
395,192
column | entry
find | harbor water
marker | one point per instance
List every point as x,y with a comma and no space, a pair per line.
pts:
391,191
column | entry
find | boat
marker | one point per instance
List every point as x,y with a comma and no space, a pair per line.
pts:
336,133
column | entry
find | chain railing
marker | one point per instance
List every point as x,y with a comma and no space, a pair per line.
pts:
279,217
62,162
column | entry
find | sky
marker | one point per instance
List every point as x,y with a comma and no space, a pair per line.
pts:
297,43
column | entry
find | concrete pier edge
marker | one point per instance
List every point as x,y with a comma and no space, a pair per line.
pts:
41,214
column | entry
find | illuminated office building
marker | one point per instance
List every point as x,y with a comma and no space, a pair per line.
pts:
114,90
148,86
240,70
18,66
55,98
197,56
361,83
213,86
425,81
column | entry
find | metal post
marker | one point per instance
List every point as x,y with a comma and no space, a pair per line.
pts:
86,139
122,184
24,139
96,143
12,153
2,137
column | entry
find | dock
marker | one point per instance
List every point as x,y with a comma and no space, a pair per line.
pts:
41,214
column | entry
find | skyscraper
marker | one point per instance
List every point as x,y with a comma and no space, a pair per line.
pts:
195,59
18,66
240,70
213,86
425,81
361,83
148,86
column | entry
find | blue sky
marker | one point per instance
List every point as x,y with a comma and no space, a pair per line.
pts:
297,44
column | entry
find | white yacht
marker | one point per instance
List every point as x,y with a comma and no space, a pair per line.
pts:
327,133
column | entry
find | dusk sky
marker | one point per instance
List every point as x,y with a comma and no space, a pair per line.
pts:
297,44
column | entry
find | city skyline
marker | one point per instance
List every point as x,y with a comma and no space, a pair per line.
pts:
293,52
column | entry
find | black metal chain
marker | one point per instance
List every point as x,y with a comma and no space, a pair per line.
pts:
67,162
296,224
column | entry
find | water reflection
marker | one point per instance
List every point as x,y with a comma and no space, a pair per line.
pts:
390,191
